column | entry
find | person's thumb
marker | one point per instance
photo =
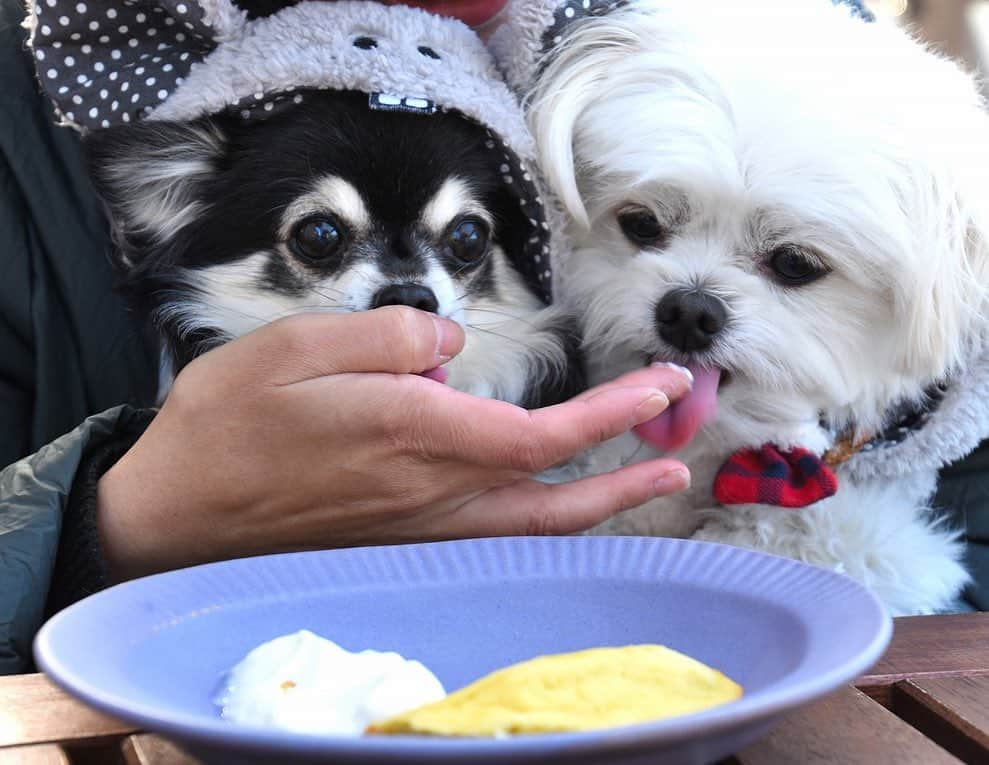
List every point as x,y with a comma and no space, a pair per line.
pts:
396,339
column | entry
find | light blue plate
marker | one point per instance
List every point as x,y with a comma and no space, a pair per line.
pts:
154,651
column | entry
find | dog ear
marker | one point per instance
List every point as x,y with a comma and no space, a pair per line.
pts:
946,198
943,187
946,303
572,79
150,177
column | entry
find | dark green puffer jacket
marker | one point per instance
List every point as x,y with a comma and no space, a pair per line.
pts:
69,349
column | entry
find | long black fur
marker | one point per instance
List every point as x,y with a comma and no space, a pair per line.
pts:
258,167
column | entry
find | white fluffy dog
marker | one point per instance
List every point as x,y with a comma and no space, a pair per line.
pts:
794,204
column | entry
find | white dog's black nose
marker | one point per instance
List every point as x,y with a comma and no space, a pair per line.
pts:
689,319
414,295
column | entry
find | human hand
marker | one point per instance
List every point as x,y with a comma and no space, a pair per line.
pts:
315,432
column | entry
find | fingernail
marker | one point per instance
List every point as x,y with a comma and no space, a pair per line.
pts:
446,339
676,368
675,480
654,405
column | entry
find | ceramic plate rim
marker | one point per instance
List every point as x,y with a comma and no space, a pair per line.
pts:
762,705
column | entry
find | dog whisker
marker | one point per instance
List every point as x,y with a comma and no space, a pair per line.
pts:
505,314
481,328
336,294
460,270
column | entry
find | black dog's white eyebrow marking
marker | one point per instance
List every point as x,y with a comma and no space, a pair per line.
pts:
334,195
453,199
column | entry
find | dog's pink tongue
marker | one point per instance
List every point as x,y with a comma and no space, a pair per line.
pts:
677,426
437,373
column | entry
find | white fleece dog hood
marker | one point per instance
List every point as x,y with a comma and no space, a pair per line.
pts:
111,62
918,440
533,28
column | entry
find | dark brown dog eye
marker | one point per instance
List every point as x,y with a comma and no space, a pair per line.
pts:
365,43
316,239
641,227
468,239
425,50
793,268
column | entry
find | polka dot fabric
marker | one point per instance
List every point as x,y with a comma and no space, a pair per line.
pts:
107,64
571,11
116,61
534,261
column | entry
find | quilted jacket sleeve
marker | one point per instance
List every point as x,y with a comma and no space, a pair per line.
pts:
68,349
49,550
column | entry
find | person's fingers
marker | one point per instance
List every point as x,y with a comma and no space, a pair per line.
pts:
395,340
674,380
559,432
531,508
439,422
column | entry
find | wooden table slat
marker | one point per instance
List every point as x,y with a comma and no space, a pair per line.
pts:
925,646
39,754
35,711
849,728
953,711
146,749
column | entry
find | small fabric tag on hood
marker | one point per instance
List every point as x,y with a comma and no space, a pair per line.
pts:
388,102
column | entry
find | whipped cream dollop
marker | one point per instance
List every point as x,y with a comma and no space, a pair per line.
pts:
305,683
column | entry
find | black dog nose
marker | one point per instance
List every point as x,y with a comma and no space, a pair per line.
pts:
414,295
689,319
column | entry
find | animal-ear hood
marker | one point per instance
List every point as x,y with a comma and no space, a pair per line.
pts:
534,28
109,62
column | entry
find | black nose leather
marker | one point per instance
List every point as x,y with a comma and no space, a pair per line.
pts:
689,320
414,295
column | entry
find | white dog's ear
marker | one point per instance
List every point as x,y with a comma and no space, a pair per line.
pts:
573,78
946,312
945,302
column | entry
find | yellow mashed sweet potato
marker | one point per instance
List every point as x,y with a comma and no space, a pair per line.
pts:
597,688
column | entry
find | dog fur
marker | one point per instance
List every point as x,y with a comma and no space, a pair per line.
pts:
206,216
744,128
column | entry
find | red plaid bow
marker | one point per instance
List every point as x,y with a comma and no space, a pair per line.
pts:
767,476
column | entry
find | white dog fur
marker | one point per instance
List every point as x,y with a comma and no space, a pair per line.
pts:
746,125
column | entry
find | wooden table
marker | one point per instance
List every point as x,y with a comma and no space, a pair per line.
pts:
925,703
